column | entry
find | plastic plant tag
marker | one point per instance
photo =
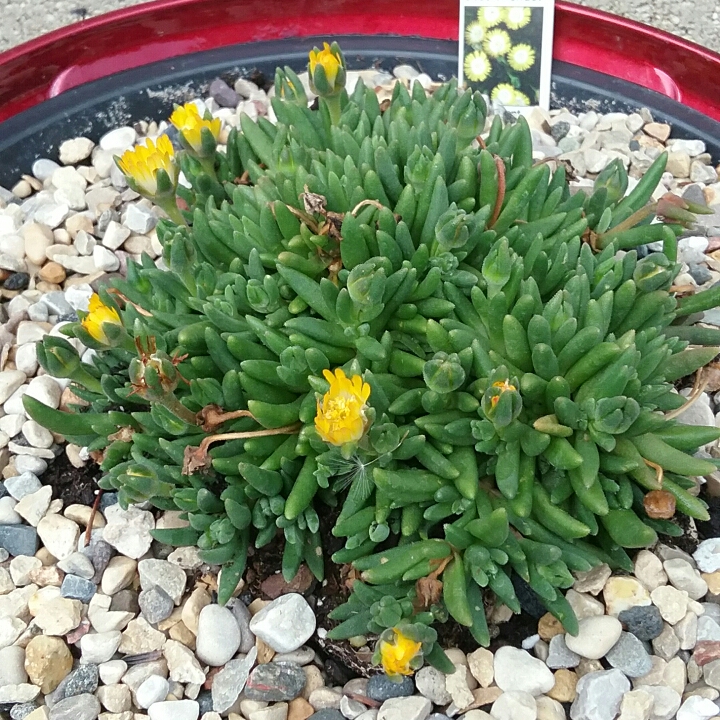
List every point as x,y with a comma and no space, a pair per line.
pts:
505,51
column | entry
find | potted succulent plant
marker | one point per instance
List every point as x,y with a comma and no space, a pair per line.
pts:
392,326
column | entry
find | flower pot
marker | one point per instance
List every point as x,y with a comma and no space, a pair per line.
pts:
134,64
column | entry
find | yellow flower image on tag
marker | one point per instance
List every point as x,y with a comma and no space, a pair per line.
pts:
341,416
517,17
497,43
186,118
142,163
477,66
521,57
98,315
396,656
475,33
490,15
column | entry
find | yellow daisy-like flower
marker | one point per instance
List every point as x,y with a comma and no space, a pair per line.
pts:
331,63
186,118
521,57
141,164
396,656
98,315
517,17
341,416
475,33
477,66
490,15
497,43
521,99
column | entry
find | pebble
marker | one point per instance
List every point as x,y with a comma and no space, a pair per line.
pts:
599,695
174,710
21,485
514,705
118,140
327,714
405,708
182,663
645,622
47,662
128,531
559,656
274,682
59,616
629,655
218,635
230,681
78,707
155,604
518,670
596,636
165,575
636,705
707,554
684,576
430,682
84,679
649,570
671,602
666,702
77,588
75,150
12,670
381,687
697,708
285,623
99,647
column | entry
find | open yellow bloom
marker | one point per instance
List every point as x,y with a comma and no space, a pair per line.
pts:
497,43
98,315
328,59
141,164
517,17
490,15
475,33
186,118
521,57
477,66
396,656
340,416
521,99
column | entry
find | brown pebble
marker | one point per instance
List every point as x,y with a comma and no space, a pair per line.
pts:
264,652
564,688
485,696
549,626
659,504
300,709
706,651
659,131
52,272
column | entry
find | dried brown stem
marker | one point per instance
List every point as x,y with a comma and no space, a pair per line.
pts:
701,382
128,301
363,203
500,165
93,513
659,472
196,458
212,416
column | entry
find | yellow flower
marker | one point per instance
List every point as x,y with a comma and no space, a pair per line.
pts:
504,93
141,164
186,118
521,99
396,656
474,33
504,385
98,315
477,66
330,62
517,17
490,15
521,57
497,43
340,416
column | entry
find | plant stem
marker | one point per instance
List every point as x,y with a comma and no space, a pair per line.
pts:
333,106
169,205
82,377
171,403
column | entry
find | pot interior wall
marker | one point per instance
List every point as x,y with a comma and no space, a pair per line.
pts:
149,92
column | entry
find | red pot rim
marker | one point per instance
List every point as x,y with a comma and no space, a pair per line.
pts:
139,35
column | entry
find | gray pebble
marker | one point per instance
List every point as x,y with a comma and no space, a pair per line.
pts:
381,687
327,714
559,655
155,604
559,130
22,710
699,273
125,600
223,94
274,682
84,679
645,622
19,539
243,617
108,499
77,588
630,656
79,707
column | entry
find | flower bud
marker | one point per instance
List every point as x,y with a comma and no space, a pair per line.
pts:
444,373
326,70
366,284
289,87
453,228
57,357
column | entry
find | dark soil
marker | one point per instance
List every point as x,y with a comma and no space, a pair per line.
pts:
71,484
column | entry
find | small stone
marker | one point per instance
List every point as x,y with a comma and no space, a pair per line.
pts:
10,381
324,697
182,664
514,705
559,656
21,485
174,710
480,663
128,531
430,682
381,687
274,682
666,644
12,671
19,693
230,681
686,631
59,535
404,708
141,220
659,131
592,581
47,662
350,709
140,637
118,140
223,94
678,163
218,635
118,574
285,624
153,689
705,651
278,711
666,702
115,698
301,709
99,647
327,714
599,695
78,564
74,151
564,688
21,568
155,604
519,671
630,656
77,588
707,554
84,679
597,635
111,672
243,617
707,628
78,707
671,602
636,705
645,622
547,709
621,593
8,516
59,616
684,576
302,656
697,708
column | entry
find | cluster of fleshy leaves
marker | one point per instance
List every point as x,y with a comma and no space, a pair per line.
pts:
519,354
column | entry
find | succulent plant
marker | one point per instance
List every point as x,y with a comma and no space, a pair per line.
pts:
366,308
